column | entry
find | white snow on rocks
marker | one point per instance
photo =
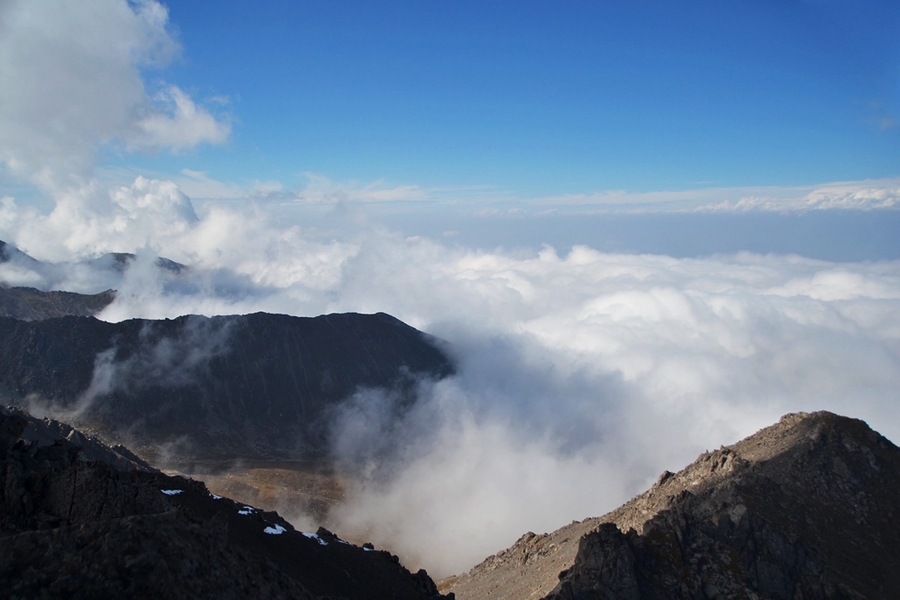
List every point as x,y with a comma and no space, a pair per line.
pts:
276,530
313,536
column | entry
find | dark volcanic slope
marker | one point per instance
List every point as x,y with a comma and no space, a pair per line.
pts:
807,508
257,385
30,304
76,528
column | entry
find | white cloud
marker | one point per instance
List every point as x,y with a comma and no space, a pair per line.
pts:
853,195
198,184
71,76
179,125
88,221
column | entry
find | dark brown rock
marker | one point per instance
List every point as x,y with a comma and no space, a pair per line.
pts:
74,528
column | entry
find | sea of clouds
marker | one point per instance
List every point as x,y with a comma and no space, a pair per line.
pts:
582,374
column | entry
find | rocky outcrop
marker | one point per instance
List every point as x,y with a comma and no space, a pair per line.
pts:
228,387
47,432
807,508
30,304
77,528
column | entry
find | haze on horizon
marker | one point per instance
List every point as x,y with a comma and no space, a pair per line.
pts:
645,229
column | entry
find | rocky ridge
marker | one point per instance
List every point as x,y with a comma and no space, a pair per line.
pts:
46,432
806,508
73,527
30,304
241,386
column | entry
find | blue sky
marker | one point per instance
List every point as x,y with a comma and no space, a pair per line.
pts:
544,98
503,108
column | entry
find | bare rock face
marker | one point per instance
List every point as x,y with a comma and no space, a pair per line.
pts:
243,386
47,432
806,508
77,528
30,304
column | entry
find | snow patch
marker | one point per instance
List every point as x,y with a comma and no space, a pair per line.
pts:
276,530
247,510
214,497
313,536
172,492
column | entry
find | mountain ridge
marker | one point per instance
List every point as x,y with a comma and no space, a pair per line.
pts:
32,304
239,386
43,296
783,506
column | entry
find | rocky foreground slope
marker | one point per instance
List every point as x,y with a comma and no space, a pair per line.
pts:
242,386
75,526
807,508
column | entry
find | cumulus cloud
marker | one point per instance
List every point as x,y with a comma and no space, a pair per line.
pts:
88,220
623,365
72,80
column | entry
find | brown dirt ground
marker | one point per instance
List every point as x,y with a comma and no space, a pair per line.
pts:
290,488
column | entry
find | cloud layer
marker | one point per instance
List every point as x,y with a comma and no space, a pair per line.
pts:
582,375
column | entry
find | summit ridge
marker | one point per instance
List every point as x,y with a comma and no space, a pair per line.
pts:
805,508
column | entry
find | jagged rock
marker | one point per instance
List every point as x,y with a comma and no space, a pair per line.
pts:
71,528
46,432
807,508
251,386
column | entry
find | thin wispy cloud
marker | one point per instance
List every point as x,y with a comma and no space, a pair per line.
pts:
851,195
